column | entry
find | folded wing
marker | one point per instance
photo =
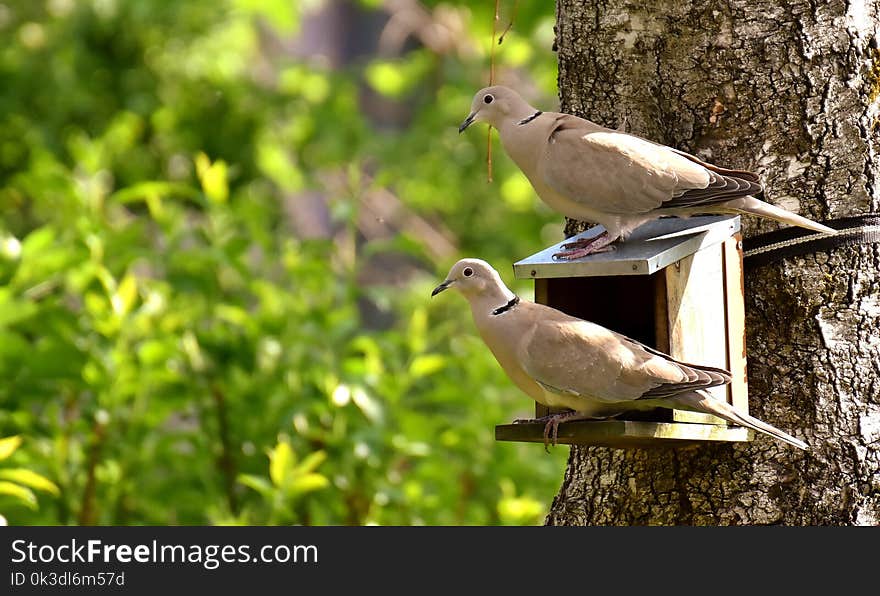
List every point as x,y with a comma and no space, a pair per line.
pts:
584,359
618,173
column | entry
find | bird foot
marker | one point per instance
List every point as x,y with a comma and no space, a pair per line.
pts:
551,428
552,422
585,246
571,255
532,420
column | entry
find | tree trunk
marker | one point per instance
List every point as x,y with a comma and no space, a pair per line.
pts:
792,93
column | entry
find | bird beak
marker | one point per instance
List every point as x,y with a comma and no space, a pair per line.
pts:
467,122
441,287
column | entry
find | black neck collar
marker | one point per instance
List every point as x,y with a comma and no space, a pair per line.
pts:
530,118
503,309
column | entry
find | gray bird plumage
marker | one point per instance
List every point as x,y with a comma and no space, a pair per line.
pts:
592,173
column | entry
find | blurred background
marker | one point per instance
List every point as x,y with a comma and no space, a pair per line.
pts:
221,223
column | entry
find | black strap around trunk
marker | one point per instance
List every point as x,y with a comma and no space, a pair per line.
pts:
791,242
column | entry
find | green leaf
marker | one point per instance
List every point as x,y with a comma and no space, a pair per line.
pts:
30,479
231,313
261,485
427,364
520,510
277,165
14,311
190,346
395,78
308,483
281,459
417,332
311,462
8,446
283,15
387,78
154,351
25,495
125,295
154,188
213,178
371,408
37,241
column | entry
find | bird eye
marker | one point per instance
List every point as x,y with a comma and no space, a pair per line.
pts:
488,99
468,272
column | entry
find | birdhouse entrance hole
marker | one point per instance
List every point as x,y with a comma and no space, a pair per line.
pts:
676,285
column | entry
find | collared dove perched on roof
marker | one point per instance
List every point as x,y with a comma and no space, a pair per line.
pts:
562,361
592,173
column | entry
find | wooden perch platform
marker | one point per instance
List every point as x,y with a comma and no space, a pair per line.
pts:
626,433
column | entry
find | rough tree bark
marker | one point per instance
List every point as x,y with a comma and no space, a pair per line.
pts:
790,92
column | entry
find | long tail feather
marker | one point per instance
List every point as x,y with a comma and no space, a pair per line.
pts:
700,401
758,207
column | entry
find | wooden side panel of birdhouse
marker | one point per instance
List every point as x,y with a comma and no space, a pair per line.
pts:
696,316
734,290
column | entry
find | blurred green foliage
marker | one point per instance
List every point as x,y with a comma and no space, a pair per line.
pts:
173,350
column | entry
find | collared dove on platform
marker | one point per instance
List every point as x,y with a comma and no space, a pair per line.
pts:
592,173
566,362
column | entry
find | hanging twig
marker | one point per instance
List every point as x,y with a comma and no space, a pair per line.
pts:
510,23
492,69
492,82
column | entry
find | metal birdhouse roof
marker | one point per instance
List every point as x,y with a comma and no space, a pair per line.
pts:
651,247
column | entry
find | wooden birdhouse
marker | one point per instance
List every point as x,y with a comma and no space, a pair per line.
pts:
675,285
